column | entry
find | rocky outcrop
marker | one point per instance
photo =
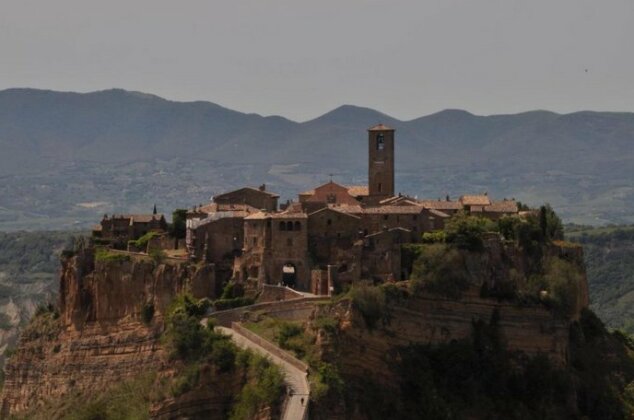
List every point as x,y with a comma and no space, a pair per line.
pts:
98,338
108,292
429,319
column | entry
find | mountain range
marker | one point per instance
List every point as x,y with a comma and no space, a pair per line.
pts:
69,157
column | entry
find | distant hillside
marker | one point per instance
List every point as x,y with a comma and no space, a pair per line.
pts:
609,253
68,157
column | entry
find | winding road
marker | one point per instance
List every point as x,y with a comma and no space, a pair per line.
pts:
296,405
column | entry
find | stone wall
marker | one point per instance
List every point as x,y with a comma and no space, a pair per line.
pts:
270,347
272,293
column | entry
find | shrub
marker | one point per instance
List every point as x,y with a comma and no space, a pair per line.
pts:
290,336
440,270
232,290
265,385
186,380
326,323
106,255
142,242
508,227
185,337
370,302
436,237
222,304
223,354
465,232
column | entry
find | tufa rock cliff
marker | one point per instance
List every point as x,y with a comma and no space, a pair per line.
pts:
98,337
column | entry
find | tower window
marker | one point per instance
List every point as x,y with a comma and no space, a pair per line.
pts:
380,142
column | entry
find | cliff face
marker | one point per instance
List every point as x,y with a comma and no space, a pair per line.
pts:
98,338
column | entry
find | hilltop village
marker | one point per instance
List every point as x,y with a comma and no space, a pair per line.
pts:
332,236
495,303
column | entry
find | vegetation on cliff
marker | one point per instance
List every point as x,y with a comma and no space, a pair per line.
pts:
478,377
195,346
448,262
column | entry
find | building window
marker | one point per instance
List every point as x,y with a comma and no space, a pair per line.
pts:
385,216
380,142
331,198
289,242
379,187
415,217
329,222
289,225
282,226
255,241
298,226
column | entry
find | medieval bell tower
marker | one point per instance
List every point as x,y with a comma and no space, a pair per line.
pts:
381,161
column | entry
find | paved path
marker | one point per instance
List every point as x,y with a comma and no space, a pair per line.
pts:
296,407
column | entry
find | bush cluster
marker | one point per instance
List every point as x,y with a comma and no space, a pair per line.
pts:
142,242
105,255
222,304
440,269
265,385
370,302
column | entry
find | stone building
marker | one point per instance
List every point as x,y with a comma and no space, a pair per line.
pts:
275,249
254,197
334,235
121,228
380,162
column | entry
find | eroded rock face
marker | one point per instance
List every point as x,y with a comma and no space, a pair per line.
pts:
99,338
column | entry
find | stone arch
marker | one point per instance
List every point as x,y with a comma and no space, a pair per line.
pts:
289,275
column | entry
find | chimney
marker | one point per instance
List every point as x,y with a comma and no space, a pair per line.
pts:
262,187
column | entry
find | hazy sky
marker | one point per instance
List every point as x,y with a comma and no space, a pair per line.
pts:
302,58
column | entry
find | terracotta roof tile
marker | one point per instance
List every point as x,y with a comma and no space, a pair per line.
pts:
505,206
270,194
335,209
380,127
440,204
393,210
475,200
358,190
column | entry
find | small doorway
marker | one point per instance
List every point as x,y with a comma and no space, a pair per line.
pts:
289,275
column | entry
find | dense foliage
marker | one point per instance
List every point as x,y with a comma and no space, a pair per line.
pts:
187,340
178,226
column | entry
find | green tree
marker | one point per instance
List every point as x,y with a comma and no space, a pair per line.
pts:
178,227
465,231
550,223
